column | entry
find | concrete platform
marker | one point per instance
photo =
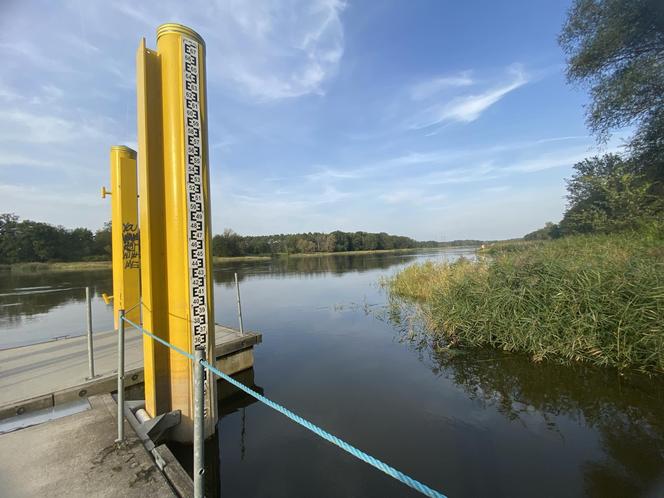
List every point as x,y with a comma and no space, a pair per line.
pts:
51,373
76,456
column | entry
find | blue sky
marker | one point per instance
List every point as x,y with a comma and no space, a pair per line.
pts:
433,119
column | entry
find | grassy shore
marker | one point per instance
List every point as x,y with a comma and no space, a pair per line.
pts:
598,299
106,265
224,259
346,253
221,259
57,266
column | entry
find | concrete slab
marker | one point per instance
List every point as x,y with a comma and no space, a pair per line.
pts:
46,374
76,456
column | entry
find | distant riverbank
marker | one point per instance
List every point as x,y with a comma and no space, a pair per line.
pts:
107,265
598,299
57,266
221,259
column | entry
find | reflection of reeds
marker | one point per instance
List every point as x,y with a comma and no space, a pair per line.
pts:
59,266
596,298
624,409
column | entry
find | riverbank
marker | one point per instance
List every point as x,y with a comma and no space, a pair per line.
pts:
597,299
223,259
107,265
57,266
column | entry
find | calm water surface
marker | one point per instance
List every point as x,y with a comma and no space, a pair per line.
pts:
474,423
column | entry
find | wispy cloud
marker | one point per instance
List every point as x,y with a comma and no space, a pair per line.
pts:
262,50
7,94
427,88
465,165
416,197
34,128
21,52
270,54
466,108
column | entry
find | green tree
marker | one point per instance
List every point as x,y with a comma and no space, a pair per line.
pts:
606,195
102,245
549,231
617,48
226,244
80,244
9,249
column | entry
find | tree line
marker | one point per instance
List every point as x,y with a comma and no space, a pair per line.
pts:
617,49
32,241
230,243
23,241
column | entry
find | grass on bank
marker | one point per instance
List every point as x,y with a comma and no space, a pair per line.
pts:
57,266
597,298
107,265
221,259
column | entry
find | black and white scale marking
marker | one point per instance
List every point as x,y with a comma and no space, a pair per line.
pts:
194,190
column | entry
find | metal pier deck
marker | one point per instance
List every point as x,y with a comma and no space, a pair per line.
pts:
56,372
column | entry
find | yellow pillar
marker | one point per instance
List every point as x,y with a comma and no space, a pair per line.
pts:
175,220
124,232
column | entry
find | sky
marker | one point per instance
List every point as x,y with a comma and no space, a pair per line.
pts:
438,120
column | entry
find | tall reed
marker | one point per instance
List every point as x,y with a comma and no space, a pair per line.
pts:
598,299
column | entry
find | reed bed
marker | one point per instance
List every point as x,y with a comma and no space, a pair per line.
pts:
57,266
597,299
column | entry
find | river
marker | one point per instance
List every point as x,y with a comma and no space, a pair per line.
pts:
468,423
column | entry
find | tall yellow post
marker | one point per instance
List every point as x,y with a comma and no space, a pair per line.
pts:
124,232
175,221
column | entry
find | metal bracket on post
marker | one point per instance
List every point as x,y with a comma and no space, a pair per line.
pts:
152,431
199,425
121,326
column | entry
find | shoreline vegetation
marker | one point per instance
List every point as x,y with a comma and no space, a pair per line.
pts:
589,288
63,266
56,266
590,298
27,245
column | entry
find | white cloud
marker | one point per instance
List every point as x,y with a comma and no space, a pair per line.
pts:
412,196
466,108
274,50
22,52
326,174
7,94
28,127
467,165
11,159
264,50
425,89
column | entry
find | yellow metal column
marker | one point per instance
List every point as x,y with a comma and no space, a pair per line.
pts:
154,280
175,220
124,232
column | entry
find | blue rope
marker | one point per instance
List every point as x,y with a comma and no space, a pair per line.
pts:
390,471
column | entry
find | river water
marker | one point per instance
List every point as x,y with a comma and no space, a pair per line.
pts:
468,423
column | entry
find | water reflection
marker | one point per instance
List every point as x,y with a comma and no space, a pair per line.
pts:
26,295
230,401
315,265
233,400
624,410
475,423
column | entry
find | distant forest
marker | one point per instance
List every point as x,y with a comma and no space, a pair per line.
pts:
26,241
29,241
232,244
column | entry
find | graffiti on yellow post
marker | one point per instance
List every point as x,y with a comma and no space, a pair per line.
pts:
130,246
